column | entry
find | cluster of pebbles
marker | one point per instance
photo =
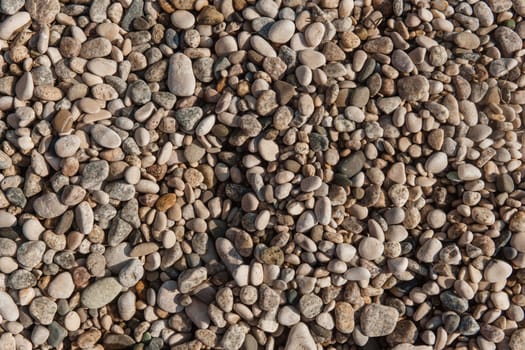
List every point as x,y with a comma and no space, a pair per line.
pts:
241,174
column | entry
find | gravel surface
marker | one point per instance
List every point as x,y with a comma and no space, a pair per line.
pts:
241,174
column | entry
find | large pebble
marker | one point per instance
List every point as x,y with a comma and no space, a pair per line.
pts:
378,320
6,219
169,297
48,206
8,309
104,136
181,80
12,24
100,293
497,271
62,286
300,338
281,31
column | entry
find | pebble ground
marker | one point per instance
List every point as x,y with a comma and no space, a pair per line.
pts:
241,174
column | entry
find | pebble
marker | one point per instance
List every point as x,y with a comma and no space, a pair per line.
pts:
10,7
508,40
497,271
517,339
43,310
468,172
255,174
268,150
370,248
378,320
310,305
48,206
191,279
100,293
233,338
168,297
288,316
104,136
281,31
8,309
467,40
12,24
300,338
429,250
415,88
436,163
352,165
181,81
62,286
7,219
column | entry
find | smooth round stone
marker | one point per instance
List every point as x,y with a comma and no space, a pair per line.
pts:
436,218
378,320
402,62
345,251
168,297
311,58
48,206
436,163
182,19
181,80
497,271
6,219
98,47
40,335
102,66
100,293
29,254
132,175
32,229
517,340
370,248
357,274
468,172
467,40
126,305
225,46
262,46
463,289
429,251
62,286
508,40
397,265
517,222
480,132
10,7
12,24
205,125
8,309
518,242
323,210
288,316
311,183
306,221
267,8
67,146
43,310
105,137
72,321
281,31
268,150
483,216
314,33
310,305
355,114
